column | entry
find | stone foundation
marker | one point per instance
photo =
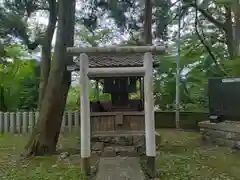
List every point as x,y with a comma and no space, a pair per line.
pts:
224,134
119,144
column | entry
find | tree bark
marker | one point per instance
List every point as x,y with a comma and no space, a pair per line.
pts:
236,27
46,50
229,32
232,29
45,136
148,22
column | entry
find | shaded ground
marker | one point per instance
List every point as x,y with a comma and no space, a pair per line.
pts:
39,168
182,156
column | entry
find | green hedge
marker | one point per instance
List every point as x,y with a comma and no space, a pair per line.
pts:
188,120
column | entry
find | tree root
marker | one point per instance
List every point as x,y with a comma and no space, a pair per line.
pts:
38,147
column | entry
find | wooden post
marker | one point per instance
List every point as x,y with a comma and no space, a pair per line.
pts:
97,89
6,122
1,122
12,122
85,115
141,83
149,115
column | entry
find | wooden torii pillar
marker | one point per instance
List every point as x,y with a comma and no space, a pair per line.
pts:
146,70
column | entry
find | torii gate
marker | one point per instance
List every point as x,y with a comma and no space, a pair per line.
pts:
86,72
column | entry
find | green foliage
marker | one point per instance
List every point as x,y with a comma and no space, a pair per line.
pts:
127,15
232,67
15,25
99,36
73,100
20,85
19,80
204,53
193,83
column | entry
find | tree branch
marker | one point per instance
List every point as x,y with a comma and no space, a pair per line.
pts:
205,45
173,4
209,17
183,11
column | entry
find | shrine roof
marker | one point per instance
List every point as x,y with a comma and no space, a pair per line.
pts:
101,61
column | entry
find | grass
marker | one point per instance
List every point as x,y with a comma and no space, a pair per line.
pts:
182,156
39,168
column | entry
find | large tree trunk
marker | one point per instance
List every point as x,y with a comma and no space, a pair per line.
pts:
229,32
148,22
46,50
45,136
232,29
236,12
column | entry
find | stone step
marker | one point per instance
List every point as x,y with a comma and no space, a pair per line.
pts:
136,139
129,138
122,151
117,133
119,168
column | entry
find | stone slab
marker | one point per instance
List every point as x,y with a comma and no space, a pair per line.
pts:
126,138
109,152
231,126
119,168
97,146
224,134
123,151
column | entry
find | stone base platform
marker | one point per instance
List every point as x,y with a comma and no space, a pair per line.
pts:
111,144
224,134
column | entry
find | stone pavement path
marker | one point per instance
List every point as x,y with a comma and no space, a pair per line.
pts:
120,168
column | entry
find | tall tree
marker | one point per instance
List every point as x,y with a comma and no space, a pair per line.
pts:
46,54
148,22
45,136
